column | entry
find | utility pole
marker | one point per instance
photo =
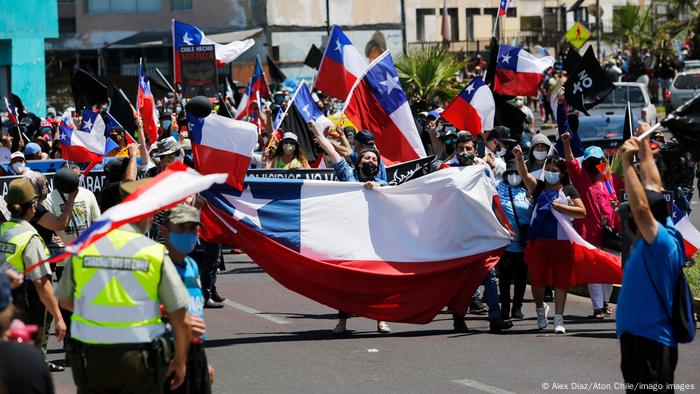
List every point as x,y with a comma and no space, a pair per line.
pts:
597,27
403,24
328,17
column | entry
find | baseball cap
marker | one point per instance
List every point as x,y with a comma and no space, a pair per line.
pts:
126,188
17,154
167,146
500,133
32,148
593,151
184,214
364,137
434,113
290,136
21,191
66,180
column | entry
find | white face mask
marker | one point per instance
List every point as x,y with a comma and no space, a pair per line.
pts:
288,148
552,177
514,179
539,154
18,167
502,152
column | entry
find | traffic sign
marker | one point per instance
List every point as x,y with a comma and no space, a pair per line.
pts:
577,35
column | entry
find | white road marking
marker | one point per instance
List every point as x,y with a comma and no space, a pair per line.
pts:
481,386
372,350
256,312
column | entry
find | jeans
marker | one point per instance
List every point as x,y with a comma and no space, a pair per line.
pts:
207,259
512,269
600,294
491,292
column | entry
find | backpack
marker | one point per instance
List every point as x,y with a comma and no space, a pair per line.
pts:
681,314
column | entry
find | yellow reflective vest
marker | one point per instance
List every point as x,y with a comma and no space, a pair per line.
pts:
116,290
14,238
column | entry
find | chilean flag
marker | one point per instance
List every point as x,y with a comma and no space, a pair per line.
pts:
503,7
558,237
397,253
518,72
167,189
185,34
11,111
110,145
340,66
691,235
473,109
86,145
221,144
147,107
256,84
378,103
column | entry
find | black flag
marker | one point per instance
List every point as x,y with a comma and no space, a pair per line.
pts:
122,111
628,129
87,91
492,60
276,73
573,59
295,123
588,85
684,124
508,115
313,58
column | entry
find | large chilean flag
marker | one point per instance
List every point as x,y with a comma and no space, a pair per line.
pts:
185,34
518,72
397,253
221,144
473,109
340,67
378,103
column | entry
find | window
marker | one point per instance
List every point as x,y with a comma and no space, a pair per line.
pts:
66,26
421,13
454,23
512,12
470,12
121,6
181,5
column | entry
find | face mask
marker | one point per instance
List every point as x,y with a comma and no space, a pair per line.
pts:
183,242
288,148
514,179
539,154
178,109
370,169
465,159
552,177
18,167
166,124
502,152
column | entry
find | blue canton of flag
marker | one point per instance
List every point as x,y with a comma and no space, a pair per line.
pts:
508,57
384,83
470,90
306,105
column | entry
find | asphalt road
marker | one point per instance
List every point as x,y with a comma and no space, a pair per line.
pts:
270,340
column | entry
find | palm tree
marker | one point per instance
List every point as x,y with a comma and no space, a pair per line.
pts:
632,27
428,77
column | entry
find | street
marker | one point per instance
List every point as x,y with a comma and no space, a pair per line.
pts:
270,340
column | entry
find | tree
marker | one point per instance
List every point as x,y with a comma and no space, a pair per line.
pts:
632,27
428,77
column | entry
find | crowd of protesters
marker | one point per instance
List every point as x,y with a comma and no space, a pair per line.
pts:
533,175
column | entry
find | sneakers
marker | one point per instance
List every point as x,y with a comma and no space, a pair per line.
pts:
497,325
542,316
477,307
383,327
211,304
216,297
559,324
340,327
516,313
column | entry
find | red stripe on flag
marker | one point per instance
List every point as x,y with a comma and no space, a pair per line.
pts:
463,116
79,154
209,160
513,83
333,79
365,112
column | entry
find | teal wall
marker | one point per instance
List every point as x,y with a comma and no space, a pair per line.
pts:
26,24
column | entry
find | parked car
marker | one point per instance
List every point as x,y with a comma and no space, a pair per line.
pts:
685,86
616,102
604,131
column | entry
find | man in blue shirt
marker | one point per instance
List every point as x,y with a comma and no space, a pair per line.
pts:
649,349
180,235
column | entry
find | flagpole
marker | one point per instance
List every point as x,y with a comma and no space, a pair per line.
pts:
495,25
172,35
289,105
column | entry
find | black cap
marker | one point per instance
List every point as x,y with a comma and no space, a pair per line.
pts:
500,133
365,137
199,107
66,180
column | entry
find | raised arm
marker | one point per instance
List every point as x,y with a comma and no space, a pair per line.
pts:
529,180
566,142
324,143
639,205
648,171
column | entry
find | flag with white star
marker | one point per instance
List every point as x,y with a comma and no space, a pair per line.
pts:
518,72
340,66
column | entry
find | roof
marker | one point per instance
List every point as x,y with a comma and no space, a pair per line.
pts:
156,39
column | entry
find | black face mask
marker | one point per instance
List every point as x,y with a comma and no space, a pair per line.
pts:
591,167
466,159
370,169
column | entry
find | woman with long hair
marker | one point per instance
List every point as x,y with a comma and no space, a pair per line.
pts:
288,154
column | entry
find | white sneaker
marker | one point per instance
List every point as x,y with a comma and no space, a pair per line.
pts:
340,327
559,324
542,316
383,328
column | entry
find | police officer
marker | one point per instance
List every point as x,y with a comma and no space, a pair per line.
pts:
21,248
114,287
